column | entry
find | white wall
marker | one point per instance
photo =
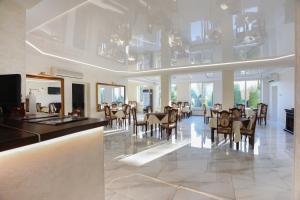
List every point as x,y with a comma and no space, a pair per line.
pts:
183,91
286,92
36,63
132,94
12,37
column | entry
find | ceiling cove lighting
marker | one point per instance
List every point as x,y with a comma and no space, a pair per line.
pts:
162,69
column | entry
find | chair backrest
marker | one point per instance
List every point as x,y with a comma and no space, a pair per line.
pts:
114,105
174,105
52,108
172,116
134,114
179,104
252,123
236,114
167,109
132,104
186,104
126,109
218,106
107,111
242,107
224,119
213,113
262,109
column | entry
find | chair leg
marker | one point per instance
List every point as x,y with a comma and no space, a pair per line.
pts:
146,129
176,133
252,141
136,129
265,121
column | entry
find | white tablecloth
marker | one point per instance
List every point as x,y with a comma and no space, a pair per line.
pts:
153,119
119,114
186,109
249,112
236,128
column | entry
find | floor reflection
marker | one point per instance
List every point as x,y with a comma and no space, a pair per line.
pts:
192,161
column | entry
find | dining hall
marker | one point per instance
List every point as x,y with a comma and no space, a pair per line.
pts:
149,99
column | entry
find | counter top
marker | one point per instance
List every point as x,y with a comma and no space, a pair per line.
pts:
17,133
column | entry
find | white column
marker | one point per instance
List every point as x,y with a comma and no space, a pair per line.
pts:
297,107
12,40
165,63
165,89
227,89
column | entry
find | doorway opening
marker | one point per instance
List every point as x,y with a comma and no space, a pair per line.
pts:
78,100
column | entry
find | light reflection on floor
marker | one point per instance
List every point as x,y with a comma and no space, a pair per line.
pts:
213,169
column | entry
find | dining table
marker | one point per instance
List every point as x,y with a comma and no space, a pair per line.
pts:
236,127
155,118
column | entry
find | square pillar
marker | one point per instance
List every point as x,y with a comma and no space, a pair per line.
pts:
228,89
297,107
165,90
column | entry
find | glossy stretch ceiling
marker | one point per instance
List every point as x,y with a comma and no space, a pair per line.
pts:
138,35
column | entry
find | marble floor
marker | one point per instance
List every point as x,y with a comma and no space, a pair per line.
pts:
191,168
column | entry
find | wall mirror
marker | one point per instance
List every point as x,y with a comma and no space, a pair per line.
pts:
44,94
107,94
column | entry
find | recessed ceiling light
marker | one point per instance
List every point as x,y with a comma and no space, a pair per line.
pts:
224,6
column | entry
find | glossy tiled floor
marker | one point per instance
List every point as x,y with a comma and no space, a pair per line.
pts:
143,167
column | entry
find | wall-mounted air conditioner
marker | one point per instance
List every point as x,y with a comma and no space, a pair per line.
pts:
274,77
66,73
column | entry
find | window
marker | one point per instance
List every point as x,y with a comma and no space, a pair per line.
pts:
173,93
208,89
102,95
118,95
200,30
201,93
247,92
140,97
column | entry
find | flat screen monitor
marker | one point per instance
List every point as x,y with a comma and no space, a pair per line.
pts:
10,91
53,90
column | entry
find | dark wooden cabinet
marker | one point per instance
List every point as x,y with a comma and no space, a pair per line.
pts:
289,122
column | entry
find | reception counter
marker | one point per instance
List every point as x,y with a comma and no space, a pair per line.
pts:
48,162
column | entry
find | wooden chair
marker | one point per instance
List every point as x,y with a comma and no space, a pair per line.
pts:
224,125
172,123
242,107
249,131
262,113
109,116
126,110
137,123
205,116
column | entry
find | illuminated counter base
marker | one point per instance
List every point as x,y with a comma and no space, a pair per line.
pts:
65,168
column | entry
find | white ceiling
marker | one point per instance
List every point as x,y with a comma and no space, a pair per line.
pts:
138,35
